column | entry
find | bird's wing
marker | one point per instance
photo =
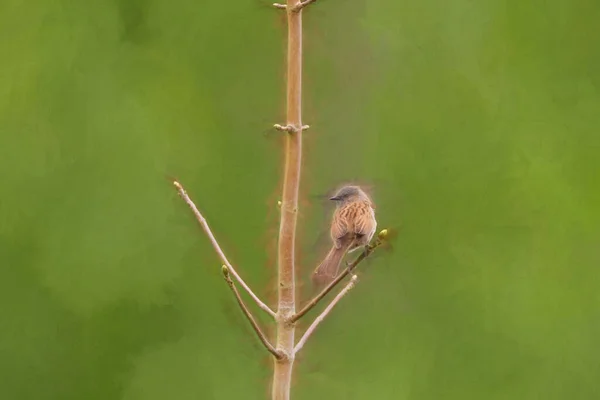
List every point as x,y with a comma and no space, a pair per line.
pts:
364,221
339,226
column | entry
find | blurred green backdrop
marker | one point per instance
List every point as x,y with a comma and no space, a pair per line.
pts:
475,123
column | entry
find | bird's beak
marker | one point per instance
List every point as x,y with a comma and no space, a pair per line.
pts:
334,198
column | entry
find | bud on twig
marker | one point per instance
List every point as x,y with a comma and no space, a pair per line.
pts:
383,234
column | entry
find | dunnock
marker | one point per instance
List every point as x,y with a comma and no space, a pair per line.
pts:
353,226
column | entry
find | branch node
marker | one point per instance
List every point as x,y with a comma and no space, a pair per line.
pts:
284,355
226,275
286,128
290,128
298,7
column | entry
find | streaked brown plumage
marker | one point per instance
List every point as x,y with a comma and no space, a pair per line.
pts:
352,227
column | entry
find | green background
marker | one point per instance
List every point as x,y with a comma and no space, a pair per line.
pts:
475,125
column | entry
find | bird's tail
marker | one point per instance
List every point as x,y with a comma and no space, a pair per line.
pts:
330,265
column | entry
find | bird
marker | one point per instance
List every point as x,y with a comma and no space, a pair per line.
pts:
352,227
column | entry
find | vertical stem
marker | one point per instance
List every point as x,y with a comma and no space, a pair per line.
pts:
282,377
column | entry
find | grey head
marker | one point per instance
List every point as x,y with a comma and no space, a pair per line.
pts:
349,193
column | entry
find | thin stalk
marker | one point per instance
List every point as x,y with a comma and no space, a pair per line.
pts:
282,377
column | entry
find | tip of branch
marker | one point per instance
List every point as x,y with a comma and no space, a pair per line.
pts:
383,234
177,185
280,6
279,203
353,279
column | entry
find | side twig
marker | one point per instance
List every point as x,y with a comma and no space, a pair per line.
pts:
302,4
217,248
299,6
324,314
368,251
248,315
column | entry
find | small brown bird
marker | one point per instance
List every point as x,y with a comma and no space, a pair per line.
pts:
352,227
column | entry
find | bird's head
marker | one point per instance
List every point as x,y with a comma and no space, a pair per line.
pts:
349,193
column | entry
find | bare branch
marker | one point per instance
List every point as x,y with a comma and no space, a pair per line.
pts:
280,6
368,251
324,314
302,4
248,315
217,248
